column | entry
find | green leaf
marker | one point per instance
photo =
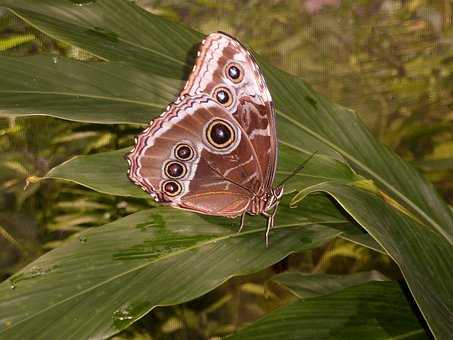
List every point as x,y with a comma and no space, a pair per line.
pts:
104,172
423,256
114,30
363,239
81,91
108,277
306,286
343,132
376,310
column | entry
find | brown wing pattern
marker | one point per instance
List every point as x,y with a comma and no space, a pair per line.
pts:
251,104
214,150
215,180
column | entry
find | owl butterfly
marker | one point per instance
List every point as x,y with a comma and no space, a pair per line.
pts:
214,150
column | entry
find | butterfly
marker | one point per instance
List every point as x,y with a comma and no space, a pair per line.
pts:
214,150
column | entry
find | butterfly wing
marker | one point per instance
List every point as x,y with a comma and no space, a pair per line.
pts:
214,150
224,66
196,157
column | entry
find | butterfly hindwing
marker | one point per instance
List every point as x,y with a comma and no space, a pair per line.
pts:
223,64
211,175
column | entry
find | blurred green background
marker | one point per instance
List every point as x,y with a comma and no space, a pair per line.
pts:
390,61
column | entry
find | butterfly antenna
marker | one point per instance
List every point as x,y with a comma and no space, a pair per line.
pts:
296,170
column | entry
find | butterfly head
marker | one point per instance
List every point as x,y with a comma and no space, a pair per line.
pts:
274,197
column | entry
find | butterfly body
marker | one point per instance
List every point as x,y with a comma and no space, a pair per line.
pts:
214,150
266,202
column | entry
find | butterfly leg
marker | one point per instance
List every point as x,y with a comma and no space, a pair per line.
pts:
270,221
242,222
270,225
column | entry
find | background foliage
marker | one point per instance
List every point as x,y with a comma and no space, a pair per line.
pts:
389,60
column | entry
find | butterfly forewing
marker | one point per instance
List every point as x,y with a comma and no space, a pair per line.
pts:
223,64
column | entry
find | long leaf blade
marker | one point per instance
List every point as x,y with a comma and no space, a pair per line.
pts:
422,255
80,91
109,30
164,257
312,285
375,310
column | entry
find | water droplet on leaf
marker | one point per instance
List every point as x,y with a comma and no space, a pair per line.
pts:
83,239
124,313
33,272
122,205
